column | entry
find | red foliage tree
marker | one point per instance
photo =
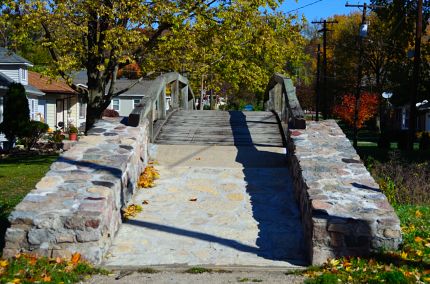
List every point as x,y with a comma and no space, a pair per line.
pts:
366,110
131,71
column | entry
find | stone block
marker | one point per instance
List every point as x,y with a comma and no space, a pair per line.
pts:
39,236
88,235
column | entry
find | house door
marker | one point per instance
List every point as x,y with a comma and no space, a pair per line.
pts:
60,113
428,121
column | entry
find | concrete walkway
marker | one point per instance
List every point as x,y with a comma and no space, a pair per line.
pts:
244,213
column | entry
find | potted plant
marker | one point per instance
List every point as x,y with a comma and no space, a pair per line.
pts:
73,133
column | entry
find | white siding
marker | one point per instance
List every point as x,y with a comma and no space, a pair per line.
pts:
126,104
11,71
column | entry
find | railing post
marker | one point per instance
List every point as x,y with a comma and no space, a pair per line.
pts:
151,125
184,96
162,104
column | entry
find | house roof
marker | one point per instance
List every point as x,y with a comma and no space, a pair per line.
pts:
138,90
49,85
9,57
5,81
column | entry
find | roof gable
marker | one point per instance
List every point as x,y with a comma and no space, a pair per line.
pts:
9,57
49,85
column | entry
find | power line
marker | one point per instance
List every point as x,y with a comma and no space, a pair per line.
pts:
307,5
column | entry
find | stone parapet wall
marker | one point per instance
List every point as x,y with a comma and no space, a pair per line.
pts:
343,210
76,207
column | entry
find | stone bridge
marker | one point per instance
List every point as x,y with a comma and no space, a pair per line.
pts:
236,189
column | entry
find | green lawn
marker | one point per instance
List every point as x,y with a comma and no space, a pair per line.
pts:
18,176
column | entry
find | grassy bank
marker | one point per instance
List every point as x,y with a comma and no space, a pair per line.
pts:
19,175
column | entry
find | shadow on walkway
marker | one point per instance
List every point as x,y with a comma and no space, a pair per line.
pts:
273,203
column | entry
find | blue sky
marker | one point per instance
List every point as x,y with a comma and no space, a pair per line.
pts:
319,10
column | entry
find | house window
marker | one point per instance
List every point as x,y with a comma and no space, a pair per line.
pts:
82,108
23,75
115,104
136,102
33,105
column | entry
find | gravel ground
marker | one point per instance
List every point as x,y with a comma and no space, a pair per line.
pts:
180,277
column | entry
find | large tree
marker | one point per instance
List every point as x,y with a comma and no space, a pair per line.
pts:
236,53
101,36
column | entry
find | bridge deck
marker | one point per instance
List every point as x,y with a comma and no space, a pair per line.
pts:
215,205
221,128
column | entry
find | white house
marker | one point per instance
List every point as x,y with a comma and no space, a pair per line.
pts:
63,106
14,68
125,102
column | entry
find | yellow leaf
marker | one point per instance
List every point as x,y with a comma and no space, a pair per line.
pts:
349,278
419,253
16,281
418,214
4,263
427,245
426,279
334,262
46,278
404,255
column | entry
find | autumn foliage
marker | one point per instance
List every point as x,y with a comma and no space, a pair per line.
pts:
130,71
367,108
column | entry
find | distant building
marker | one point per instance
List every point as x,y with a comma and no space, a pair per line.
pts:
63,106
14,68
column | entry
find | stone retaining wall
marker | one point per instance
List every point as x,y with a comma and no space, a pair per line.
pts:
343,210
76,207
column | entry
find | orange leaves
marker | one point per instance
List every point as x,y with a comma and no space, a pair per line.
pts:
131,211
367,109
130,71
30,268
75,258
147,178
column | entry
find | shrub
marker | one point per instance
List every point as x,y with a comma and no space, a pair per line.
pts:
403,182
32,132
57,136
110,113
16,113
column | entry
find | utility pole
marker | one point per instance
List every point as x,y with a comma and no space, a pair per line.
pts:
416,78
363,33
324,30
317,101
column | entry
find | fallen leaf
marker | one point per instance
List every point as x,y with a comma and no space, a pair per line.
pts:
75,257
198,158
145,202
418,239
16,281
131,211
193,199
418,214
4,263
32,260
58,260
46,278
